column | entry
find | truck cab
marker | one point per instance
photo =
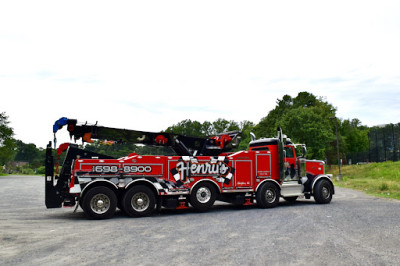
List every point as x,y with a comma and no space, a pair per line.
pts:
299,174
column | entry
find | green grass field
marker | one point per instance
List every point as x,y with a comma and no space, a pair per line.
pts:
378,179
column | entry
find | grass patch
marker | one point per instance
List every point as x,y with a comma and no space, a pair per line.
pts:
378,179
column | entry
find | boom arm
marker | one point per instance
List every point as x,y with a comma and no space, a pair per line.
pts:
182,145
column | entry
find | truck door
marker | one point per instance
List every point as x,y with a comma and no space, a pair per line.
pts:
290,164
243,173
263,165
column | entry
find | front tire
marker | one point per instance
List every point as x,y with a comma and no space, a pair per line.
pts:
323,192
139,201
203,196
99,203
268,196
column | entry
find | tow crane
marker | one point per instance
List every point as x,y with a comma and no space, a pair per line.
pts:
202,171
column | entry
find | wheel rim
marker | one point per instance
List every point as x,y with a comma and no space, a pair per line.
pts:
203,194
270,195
140,202
325,192
100,203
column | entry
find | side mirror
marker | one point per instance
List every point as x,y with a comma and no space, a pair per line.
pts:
304,150
252,136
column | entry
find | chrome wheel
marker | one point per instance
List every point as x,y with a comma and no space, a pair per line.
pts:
203,194
323,191
140,202
270,195
326,193
100,204
267,196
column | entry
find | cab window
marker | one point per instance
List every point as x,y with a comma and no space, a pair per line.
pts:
289,152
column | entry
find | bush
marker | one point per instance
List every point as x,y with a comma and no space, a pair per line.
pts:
384,186
26,170
41,170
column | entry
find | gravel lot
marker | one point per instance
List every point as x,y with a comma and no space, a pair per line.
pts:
355,229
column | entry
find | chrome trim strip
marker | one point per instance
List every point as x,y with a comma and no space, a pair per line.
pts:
177,193
237,190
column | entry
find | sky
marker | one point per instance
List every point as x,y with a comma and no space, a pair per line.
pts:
147,65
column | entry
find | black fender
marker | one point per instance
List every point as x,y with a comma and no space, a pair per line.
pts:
320,177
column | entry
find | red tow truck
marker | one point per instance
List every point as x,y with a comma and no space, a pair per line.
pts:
202,171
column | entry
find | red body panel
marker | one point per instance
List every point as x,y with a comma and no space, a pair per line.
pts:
238,171
315,167
234,172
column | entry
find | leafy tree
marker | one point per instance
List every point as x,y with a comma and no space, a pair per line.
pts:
196,129
7,143
245,127
207,128
190,128
308,126
124,149
305,119
223,125
26,152
268,125
29,153
354,136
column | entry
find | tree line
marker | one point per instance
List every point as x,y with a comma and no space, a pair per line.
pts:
305,118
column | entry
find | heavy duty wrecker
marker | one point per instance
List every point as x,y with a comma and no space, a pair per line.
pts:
202,171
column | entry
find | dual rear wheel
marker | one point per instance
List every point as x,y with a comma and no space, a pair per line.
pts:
101,202
139,201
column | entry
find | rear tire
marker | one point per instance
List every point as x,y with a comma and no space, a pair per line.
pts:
323,192
203,196
99,203
268,195
139,201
